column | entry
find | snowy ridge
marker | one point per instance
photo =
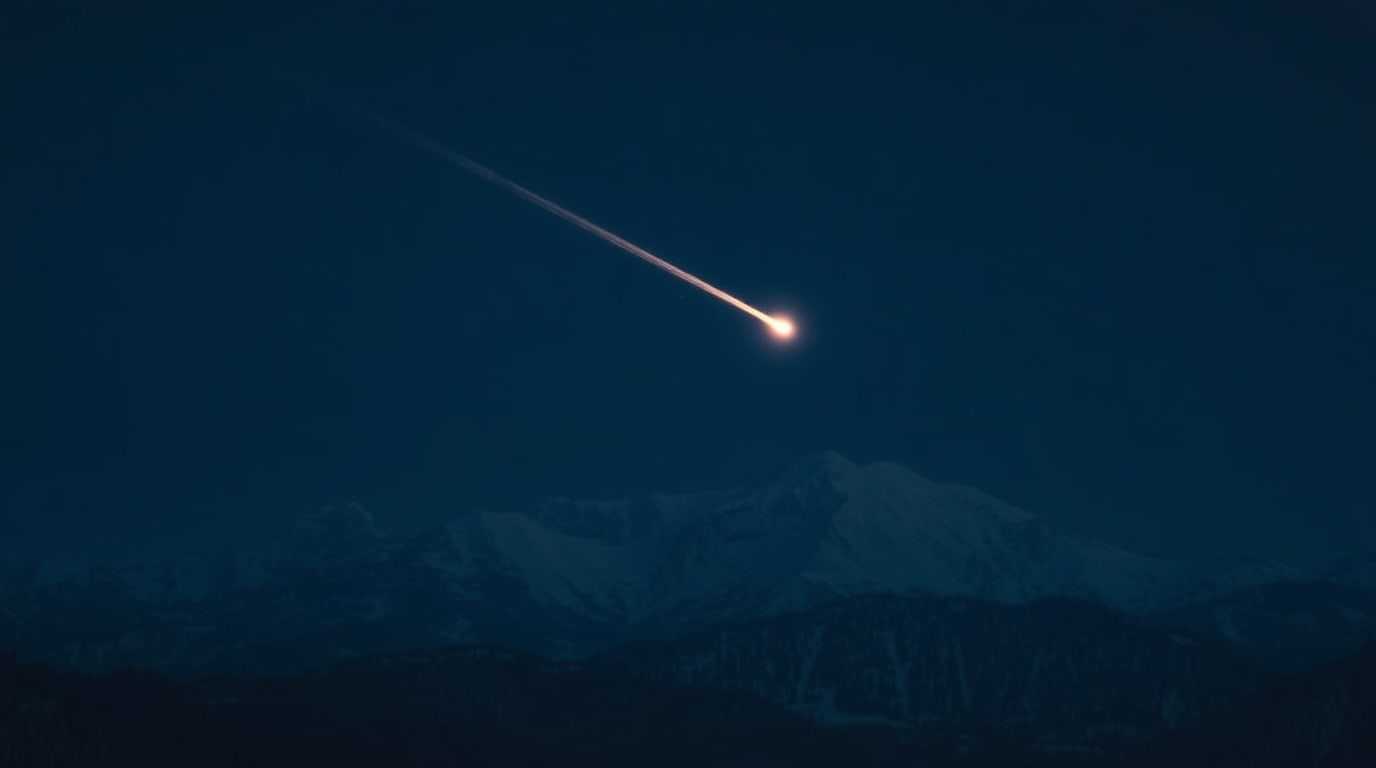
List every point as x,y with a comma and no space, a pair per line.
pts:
826,528
570,578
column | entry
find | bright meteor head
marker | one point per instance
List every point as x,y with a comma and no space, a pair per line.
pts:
782,327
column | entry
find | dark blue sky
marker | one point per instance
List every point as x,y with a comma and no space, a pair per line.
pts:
1113,265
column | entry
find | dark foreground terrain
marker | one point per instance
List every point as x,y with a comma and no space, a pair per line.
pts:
483,706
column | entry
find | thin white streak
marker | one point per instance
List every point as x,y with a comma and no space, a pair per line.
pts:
781,326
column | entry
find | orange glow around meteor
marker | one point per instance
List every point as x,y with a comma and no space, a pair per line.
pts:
782,327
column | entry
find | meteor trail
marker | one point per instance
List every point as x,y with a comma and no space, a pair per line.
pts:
781,326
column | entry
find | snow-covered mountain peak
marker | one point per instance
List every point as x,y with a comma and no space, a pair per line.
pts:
826,527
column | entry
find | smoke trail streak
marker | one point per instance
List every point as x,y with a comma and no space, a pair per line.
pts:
781,326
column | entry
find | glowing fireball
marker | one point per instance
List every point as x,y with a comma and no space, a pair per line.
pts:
782,327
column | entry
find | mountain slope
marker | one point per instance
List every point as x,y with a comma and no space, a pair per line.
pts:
1289,626
825,529
1060,673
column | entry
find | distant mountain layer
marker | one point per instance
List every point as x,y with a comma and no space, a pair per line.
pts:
574,578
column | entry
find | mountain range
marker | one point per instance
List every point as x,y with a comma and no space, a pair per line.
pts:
837,596
571,579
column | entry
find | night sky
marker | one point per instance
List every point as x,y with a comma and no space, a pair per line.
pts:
1116,266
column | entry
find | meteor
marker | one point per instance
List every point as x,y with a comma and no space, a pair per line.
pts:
782,327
